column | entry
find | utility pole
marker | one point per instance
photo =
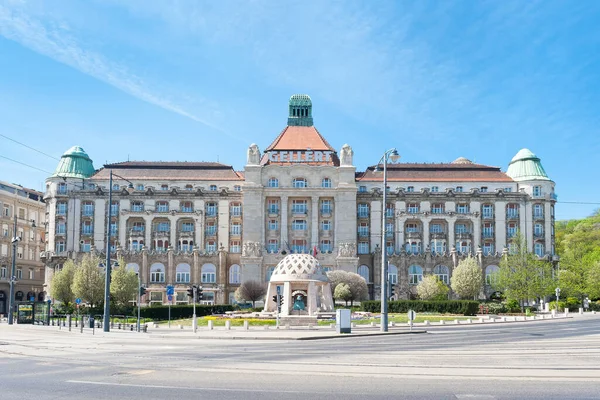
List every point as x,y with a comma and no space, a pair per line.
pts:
13,270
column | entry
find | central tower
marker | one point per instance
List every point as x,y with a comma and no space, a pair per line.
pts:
300,110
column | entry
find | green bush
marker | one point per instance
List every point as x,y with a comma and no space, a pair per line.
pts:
495,308
465,307
595,306
512,306
158,313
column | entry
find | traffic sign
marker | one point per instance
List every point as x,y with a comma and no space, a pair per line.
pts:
170,297
278,289
170,290
411,315
78,301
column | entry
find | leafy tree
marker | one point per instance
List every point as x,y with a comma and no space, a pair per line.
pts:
466,278
593,281
88,281
523,276
342,292
356,283
123,284
61,286
252,290
432,288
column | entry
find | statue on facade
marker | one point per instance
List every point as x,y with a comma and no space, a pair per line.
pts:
346,250
251,249
253,155
346,155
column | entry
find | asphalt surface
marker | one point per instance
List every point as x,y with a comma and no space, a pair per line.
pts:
556,359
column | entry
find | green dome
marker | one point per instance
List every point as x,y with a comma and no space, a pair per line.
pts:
526,166
75,163
300,100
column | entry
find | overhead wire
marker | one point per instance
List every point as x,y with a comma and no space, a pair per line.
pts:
29,147
27,165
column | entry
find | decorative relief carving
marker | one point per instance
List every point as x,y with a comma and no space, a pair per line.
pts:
252,249
347,250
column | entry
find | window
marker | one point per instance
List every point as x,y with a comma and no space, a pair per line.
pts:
269,272
186,246
137,246
137,227
137,206
363,210
299,206
362,189
537,191
436,228
438,246
512,248
273,182
437,208
88,209
157,273
363,247
273,225
237,188
389,247
234,246
182,274
411,227
235,229
538,249
86,246
442,272
211,229
299,225
19,273
235,275
164,187
212,188
60,246
325,246
189,187
463,247
488,248
389,229
326,206
6,211
61,228
211,246
491,274
461,228
459,189
410,189
487,210
363,271
488,230
162,206
162,227
326,183
413,208
3,272
363,229
187,207
389,210
538,211
235,209
326,225
211,209
139,187
512,211
507,190
462,208
114,208
435,189
62,188
299,246
273,246
511,230
87,228
483,189
273,206
61,208
538,230
209,273
393,274
415,275
299,183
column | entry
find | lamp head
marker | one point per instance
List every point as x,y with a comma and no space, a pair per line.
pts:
394,156
130,188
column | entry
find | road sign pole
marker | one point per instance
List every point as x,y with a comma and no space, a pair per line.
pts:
194,322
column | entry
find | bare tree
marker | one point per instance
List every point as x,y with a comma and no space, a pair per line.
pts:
251,291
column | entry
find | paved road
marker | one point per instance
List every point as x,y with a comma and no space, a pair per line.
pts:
541,360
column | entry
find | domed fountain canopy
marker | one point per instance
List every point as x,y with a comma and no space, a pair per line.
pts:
298,267
526,166
74,163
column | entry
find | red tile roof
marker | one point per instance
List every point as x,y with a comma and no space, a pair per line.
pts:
170,170
417,172
300,138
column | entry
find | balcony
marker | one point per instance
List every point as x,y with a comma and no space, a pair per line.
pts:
389,234
363,214
538,235
273,211
363,234
512,215
235,233
326,211
161,234
186,234
299,212
438,235
511,234
488,234
87,231
187,209
538,215
413,234
211,232
389,213
463,235
487,215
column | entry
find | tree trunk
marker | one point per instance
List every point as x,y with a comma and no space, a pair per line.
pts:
253,301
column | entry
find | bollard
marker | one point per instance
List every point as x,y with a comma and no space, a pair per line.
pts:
246,325
210,325
287,326
332,325
145,328
354,324
442,322
373,324
469,321
391,323
580,310
480,320
180,326
310,326
503,319
456,321
69,322
426,322
227,325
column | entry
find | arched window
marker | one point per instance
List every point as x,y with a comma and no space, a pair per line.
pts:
442,272
393,274
234,274
157,273
133,267
415,274
209,273
182,273
363,271
269,272
299,183
326,183
273,183
19,296
538,249
491,274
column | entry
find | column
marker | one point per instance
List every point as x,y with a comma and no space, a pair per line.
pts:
500,225
148,232
223,225
100,215
476,221
284,221
548,227
451,239
173,232
426,221
199,225
400,205
314,222
375,224
528,220
123,232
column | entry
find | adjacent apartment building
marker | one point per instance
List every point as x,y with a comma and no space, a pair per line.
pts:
183,223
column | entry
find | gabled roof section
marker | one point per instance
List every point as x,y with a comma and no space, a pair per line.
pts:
170,171
437,172
300,138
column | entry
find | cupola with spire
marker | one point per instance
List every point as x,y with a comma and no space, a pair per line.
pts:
300,110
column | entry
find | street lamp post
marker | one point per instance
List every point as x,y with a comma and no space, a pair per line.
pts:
13,270
557,293
393,155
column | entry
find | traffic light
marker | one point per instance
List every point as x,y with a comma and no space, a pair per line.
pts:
190,292
199,293
280,300
142,291
275,299
392,290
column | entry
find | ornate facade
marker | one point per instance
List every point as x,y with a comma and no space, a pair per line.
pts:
185,223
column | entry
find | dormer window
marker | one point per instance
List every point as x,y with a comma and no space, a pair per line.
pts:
459,189
213,188
273,183
410,189
299,183
164,187
189,187
139,187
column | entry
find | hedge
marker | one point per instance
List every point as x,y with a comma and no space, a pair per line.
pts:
465,307
157,313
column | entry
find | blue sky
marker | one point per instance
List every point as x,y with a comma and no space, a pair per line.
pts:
201,80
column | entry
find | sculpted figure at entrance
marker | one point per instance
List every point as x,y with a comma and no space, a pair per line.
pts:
346,155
